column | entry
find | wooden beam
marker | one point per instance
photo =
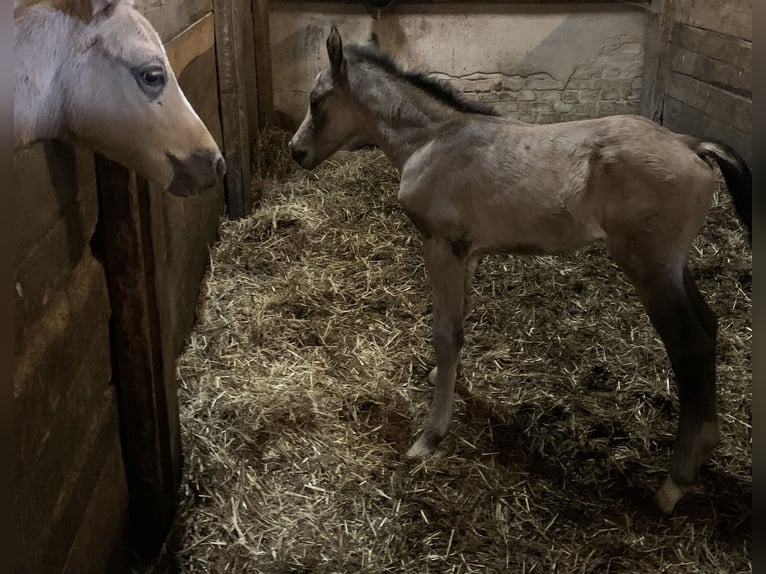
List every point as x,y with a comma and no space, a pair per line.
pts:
659,31
262,37
124,238
233,102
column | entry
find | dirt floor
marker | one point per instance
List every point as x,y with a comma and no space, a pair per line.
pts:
304,382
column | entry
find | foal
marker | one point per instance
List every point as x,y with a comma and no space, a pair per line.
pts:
475,183
96,71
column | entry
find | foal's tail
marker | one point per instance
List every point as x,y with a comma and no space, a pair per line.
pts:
739,179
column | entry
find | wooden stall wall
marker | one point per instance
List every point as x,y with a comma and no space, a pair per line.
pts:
701,81
107,275
71,497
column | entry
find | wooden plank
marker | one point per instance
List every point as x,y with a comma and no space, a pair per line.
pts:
191,43
262,36
721,47
53,226
151,467
100,544
732,17
250,85
52,178
170,17
656,59
231,91
61,371
713,72
682,118
727,107
49,512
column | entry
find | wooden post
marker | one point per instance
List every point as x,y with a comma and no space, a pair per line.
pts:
125,242
232,90
659,33
263,61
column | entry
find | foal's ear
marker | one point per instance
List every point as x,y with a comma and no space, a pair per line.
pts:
335,52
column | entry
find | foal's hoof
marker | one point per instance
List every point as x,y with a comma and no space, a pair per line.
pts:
425,445
668,495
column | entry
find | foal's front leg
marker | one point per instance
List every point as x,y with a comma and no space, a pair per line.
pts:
447,273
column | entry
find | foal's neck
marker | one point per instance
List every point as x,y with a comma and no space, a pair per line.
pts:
404,116
44,45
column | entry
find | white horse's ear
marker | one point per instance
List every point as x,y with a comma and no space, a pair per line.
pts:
335,52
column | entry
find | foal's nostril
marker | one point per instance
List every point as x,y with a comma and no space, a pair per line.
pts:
299,154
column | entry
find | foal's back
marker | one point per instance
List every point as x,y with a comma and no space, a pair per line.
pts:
505,185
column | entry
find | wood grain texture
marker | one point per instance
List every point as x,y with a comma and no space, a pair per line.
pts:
262,35
682,118
191,43
731,17
138,367
728,49
657,59
232,90
56,211
713,71
729,108
48,516
171,17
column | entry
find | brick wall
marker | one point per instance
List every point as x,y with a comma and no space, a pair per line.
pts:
609,84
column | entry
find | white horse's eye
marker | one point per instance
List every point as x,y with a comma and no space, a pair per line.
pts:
152,80
154,77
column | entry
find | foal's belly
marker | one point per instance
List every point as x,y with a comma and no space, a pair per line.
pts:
526,232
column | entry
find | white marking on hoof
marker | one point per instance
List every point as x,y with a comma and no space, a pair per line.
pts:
668,495
432,376
425,445
418,450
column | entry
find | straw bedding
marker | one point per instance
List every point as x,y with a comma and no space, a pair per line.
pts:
304,382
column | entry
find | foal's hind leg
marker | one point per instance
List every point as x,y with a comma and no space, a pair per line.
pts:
447,283
687,328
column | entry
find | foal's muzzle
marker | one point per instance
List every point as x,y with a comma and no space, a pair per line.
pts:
199,171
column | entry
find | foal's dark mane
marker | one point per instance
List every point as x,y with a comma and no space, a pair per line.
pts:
431,86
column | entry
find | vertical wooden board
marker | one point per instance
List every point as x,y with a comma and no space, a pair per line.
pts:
127,244
262,35
234,123
656,63
100,544
250,82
